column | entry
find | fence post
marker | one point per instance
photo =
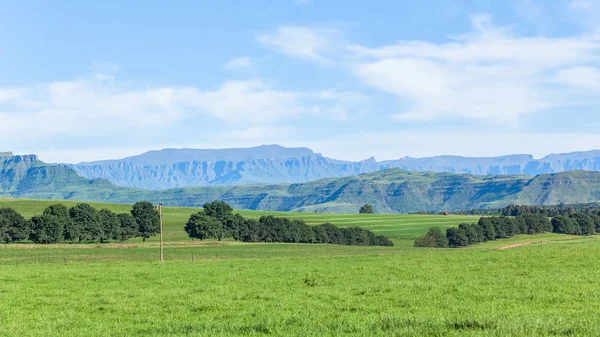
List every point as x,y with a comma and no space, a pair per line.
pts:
192,257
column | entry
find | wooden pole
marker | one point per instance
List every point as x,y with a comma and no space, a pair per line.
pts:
161,231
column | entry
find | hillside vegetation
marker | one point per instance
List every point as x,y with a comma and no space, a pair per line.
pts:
389,191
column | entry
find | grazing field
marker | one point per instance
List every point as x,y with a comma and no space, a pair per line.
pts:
531,285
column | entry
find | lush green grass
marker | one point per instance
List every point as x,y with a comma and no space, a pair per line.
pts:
545,288
529,291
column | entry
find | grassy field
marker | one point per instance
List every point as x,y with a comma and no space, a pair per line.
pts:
547,287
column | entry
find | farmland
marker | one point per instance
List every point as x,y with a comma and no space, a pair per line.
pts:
545,288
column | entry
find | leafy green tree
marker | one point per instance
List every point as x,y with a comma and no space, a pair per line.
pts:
232,226
479,232
128,228
252,231
46,229
585,222
201,226
147,218
110,224
85,221
60,210
306,234
320,234
488,228
456,237
565,225
218,209
520,224
355,236
596,219
537,223
334,233
434,237
366,209
84,224
13,226
470,233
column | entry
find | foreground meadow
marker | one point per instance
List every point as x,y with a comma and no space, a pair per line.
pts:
533,290
531,285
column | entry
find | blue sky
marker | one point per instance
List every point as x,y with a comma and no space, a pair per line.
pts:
81,81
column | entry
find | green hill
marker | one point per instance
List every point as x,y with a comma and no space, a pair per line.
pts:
389,191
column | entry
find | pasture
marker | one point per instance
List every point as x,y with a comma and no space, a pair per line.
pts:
545,288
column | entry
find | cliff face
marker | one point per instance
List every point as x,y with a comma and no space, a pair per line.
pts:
14,168
275,164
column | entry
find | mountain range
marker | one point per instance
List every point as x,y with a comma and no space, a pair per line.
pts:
273,164
389,191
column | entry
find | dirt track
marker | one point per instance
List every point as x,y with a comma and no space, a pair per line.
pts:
515,245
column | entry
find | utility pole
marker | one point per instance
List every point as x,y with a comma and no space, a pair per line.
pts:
161,230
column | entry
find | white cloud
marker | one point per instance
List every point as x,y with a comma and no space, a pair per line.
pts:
91,106
580,77
239,63
488,74
303,42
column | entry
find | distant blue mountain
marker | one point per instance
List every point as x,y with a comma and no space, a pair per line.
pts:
269,164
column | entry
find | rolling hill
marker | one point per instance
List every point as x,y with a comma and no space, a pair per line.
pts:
389,191
273,164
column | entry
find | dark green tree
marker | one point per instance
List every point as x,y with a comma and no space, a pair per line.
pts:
84,224
456,237
470,232
488,228
596,219
147,218
201,226
128,228
46,229
355,236
565,225
110,224
366,209
218,209
334,233
320,234
13,226
586,224
232,226
479,232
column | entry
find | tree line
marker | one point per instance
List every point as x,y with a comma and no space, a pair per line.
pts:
80,223
498,227
217,221
552,211
487,229
549,210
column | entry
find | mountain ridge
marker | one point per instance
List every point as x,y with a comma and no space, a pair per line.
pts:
272,164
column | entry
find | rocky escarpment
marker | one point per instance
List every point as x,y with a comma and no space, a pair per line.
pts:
273,164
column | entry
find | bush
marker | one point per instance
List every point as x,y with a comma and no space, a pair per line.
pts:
434,237
366,209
